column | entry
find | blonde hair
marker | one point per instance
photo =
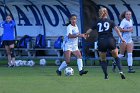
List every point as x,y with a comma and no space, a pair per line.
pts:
103,12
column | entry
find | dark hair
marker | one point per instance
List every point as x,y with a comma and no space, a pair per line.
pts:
69,22
122,16
9,15
72,16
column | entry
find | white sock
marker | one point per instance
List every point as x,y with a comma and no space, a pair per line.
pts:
80,64
129,59
62,66
120,55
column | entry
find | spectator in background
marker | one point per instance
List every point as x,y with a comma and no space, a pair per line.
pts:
70,46
9,39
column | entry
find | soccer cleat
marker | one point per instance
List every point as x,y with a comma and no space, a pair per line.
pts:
131,70
58,72
114,66
82,72
11,65
122,75
106,77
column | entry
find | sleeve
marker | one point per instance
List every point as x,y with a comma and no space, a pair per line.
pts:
13,23
2,23
122,24
69,30
94,26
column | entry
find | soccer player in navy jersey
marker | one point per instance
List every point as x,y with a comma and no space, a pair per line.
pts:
106,41
9,39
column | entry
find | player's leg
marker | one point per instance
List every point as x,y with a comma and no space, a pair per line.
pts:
130,57
123,47
7,48
122,51
102,48
117,59
118,63
8,55
103,63
12,53
77,53
67,55
115,53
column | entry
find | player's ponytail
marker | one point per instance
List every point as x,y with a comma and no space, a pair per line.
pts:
103,12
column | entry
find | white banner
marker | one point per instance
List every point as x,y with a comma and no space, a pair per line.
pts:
35,17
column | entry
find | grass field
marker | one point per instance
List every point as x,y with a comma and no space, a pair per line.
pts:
44,80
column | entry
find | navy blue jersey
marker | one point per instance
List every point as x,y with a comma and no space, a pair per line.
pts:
104,27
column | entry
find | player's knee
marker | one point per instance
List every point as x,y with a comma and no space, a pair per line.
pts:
68,61
114,53
79,57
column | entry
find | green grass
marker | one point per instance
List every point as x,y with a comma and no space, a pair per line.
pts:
44,80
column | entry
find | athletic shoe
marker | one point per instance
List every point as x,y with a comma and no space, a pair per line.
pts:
106,77
114,66
122,75
82,72
11,65
131,70
58,72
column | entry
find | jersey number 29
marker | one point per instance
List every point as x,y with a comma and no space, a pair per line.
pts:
103,26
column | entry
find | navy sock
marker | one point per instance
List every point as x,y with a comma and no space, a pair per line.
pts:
118,63
104,67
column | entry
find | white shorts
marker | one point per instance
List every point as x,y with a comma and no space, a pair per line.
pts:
70,47
127,40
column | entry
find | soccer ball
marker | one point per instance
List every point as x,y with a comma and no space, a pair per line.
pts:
69,71
24,62
18,63
30,63
57,62
42,62
21,63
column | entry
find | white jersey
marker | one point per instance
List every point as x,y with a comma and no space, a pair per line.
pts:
71,43
125,24
74,31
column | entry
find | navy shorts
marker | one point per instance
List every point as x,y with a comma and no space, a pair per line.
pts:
8,42
106,44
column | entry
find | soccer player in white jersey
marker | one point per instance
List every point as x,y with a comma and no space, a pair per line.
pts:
70,46
126,27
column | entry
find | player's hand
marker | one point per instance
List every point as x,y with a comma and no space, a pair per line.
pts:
83,35
130,29
123,40
86,35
